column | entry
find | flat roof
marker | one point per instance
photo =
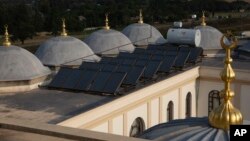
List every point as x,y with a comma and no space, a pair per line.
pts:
48,106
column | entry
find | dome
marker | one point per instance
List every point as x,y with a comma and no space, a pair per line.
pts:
109,42
142,34
194,129
18,64
210,38
65,50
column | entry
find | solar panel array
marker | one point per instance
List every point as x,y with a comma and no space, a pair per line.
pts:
127,69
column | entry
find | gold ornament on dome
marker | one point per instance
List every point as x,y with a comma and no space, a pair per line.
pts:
226,114
6,41
140,17
203,19
107,27
64,33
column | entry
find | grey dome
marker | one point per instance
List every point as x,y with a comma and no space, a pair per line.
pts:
19,64
143,34
65,50
107,42
210,37
194,129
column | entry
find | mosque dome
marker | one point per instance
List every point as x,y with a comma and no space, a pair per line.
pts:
109,42
142,34
194,129
65,50
19,64
210,37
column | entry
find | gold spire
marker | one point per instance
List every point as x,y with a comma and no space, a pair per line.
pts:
140,17
6,41
107,21
64,33
226,113
203,19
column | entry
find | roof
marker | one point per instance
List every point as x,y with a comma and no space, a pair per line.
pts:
210,37
65,50
142,34
19,64
106,42
47,106
194,129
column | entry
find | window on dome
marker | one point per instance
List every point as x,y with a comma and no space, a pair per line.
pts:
170,111
188,105
137,127
214,100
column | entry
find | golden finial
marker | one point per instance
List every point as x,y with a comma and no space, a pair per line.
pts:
140,17
226,114
6,41
107,21
64,33
203,19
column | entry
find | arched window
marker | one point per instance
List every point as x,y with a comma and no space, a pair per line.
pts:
188,105
170,111
137,127
214,100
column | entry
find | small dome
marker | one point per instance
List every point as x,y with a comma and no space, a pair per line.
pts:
194,129
142,34
18,64
109,42
210,37
65,50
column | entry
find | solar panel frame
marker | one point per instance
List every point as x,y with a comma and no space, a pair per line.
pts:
114,82
60,77
85,80
181,59
100,81
151,68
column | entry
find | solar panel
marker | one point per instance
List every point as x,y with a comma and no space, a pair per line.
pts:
195,53
158,57
151,68
126,55
171,53
72,80
167,64
139,51
114,82
109,67
184,49
130,61
141,62
91,66
100,81
144,56
106,59
60,77
175,49
134,75
85,80
181,59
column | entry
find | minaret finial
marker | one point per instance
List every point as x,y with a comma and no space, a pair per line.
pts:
64,33
140,17
226,114
6,41
203,19
107,27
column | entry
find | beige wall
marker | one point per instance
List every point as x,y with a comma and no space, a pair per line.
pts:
149,103
210,80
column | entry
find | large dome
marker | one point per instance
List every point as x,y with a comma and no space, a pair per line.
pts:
65,50
18,64
210,38
195,129
109,42
142,34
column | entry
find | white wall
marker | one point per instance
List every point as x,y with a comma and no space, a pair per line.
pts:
149,103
